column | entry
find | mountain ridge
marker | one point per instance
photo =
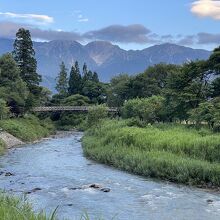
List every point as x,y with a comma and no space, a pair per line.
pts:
105,58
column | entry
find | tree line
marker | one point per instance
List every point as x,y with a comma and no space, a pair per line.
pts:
162,93
85,83
20,86
171,93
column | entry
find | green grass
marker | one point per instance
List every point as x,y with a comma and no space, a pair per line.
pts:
170,152
12,208
29,128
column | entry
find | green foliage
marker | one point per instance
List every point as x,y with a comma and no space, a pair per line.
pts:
207,112
214,61
215,87
186,89
29,128
12,208
96,114
62,81
4,110
75,80
69,120
94,91
24,55
76,100
168,152
147,109
12,88
152,81
119,90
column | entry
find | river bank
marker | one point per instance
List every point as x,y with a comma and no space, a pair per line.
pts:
172,153
54,173
18,131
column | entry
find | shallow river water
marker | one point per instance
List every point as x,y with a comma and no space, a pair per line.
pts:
57,165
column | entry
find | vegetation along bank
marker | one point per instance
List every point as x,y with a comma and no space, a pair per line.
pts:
169,152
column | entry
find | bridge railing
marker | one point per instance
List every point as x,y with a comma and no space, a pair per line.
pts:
67,108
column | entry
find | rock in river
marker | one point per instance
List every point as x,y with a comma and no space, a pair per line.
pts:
105,190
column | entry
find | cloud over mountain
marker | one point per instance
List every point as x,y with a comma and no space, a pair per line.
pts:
134,33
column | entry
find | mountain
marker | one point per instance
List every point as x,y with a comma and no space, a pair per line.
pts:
103,57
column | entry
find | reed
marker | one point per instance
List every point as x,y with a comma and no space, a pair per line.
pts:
12,208
170,152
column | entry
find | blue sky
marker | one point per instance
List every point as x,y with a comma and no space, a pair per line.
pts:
128,23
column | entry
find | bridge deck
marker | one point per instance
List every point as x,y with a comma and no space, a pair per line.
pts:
67,108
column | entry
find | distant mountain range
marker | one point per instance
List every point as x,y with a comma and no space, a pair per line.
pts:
103,57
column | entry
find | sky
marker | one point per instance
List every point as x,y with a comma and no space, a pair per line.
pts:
131,24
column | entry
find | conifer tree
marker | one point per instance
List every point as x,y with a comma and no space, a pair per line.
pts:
24,55
95,77
75,80
62,80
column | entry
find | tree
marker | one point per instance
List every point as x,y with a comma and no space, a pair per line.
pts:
152,81
207,112
214,61
87,74
4,109
119,90
62,81
24,55
75,80
76,100
85,70
145,109
94,91
12,88
186,89
215,87
96,114
95,77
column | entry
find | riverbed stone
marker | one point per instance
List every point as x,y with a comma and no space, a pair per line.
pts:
33,190
209,201
9,174
95,186
105,190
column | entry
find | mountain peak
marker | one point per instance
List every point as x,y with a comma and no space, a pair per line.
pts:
104,57
101,51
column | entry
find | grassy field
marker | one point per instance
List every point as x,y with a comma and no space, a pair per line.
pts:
29,128
169,152
14,209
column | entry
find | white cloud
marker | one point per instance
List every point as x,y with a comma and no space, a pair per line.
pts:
206,8
42,19
83,20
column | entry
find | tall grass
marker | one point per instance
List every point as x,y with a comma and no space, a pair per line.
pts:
173,153
27,129
15,209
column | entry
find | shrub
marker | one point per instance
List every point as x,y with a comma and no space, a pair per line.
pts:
146,109
27,129
95,114
4,110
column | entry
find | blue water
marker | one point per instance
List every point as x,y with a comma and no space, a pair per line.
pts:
56,165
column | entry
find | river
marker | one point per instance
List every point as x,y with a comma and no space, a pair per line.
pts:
58,168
